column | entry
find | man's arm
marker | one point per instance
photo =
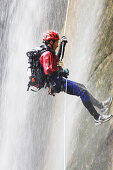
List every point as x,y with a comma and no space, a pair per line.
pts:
62,47
48,62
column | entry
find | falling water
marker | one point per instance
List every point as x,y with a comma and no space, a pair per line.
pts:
25,117
31,124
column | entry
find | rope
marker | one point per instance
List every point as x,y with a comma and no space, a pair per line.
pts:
66,17
66,88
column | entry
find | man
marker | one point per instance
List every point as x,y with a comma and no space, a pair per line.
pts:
57,77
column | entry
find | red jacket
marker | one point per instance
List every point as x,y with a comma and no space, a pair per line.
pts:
49,62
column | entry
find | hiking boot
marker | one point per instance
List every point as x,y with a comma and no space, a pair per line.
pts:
106,104
102,119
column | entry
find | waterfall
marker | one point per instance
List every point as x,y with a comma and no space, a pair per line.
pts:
32,124
25,117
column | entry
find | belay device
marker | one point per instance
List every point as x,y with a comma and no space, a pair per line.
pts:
35,69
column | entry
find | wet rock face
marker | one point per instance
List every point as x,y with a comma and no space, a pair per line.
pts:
105,36
93,146
101,76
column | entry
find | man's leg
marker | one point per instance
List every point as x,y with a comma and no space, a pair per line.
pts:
104,105
94,101
74,89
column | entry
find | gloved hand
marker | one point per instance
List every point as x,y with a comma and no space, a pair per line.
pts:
64,39
63,73
66,71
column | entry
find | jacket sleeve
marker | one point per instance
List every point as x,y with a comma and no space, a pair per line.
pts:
48,62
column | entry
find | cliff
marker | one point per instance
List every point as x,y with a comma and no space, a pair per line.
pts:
92,147
101,76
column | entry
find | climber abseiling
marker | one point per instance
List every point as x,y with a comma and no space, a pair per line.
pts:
45,72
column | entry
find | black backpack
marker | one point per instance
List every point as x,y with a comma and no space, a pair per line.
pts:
36,73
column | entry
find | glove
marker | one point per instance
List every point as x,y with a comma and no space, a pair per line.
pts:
64,39
63,73
66,71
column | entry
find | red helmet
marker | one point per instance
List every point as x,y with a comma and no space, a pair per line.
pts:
50,35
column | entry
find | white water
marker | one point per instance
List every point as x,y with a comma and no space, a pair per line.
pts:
25,117
32,133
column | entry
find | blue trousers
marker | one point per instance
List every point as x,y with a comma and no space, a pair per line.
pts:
72,88
77,89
